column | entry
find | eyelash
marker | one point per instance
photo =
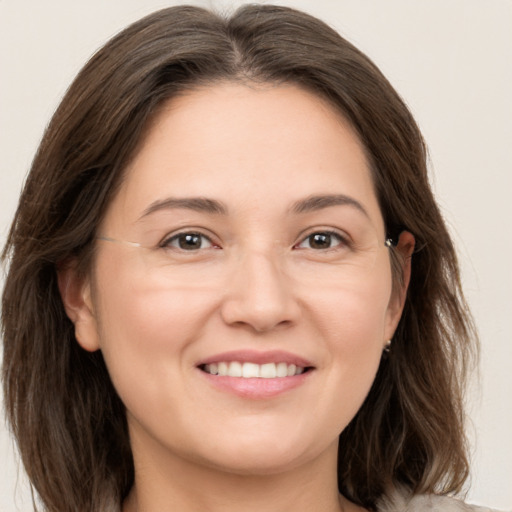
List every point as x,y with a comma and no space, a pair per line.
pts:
342,240
167,242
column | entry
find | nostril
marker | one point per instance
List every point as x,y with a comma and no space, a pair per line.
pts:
259,295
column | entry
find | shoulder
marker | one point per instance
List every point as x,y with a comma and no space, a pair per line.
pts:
399,501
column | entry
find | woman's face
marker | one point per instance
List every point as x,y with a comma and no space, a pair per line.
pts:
258,248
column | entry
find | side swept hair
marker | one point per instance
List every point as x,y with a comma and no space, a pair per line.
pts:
68,421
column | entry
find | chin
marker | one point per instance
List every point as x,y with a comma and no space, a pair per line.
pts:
263,455
258,463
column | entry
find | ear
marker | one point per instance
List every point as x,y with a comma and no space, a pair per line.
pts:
404,249
75,292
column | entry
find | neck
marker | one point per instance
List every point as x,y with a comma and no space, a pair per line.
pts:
168,483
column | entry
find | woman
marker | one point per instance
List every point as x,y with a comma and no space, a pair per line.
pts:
212,300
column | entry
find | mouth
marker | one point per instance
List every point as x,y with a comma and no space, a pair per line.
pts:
256,375
250,370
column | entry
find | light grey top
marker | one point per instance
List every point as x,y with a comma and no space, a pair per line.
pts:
403,502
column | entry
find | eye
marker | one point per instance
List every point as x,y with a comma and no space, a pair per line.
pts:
188,242
322,240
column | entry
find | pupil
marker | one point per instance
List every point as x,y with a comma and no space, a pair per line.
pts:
189,242
320,241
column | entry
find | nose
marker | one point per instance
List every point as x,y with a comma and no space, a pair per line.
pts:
259,295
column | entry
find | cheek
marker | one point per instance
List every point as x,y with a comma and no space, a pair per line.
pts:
352,321
136,306
141,324
353,313
144,323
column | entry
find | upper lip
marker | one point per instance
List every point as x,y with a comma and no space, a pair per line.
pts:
257,357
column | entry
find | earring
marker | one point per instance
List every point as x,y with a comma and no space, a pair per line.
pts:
387,347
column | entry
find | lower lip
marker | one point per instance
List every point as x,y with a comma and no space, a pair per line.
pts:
256,388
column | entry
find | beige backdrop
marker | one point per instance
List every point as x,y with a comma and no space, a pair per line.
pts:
452,62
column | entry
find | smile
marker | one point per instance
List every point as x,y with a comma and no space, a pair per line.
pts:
256,375
249,370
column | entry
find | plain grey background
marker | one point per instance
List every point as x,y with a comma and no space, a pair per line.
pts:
452,62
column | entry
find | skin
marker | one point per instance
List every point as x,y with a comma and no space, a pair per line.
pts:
256,284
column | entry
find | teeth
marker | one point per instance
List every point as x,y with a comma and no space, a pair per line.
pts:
248,370
253,370
235,369
222,369
268,371
281,370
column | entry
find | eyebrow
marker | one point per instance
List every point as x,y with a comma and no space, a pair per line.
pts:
319,202
212,206
198,204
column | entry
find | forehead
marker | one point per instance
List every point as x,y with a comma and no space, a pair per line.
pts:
261,145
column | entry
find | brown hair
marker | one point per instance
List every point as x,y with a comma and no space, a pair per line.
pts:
64,412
